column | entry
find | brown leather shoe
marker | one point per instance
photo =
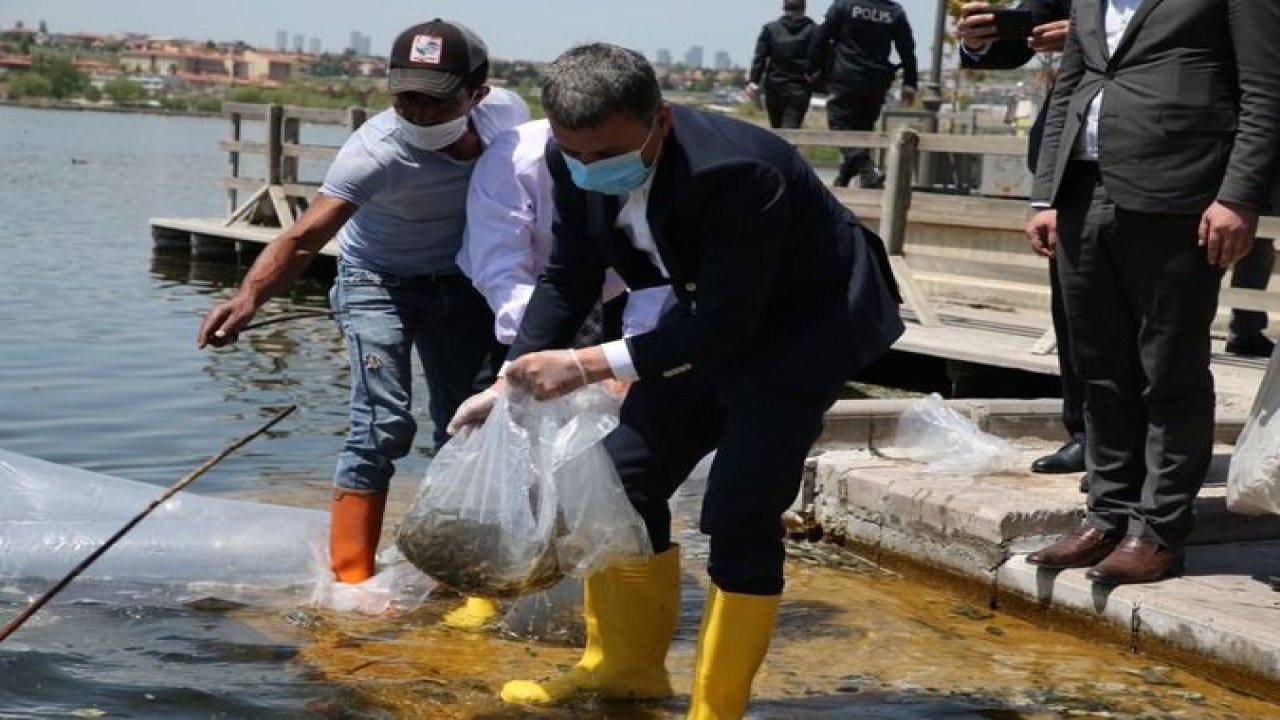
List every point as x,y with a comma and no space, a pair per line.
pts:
1137,561
1081,548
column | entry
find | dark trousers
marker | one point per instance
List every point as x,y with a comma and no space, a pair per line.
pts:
1072,387
854,110
1252,271
787,104
761,436
1140,297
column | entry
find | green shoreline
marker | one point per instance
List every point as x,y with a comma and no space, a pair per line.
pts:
118,109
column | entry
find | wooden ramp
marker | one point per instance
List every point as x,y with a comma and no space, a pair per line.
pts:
1011,339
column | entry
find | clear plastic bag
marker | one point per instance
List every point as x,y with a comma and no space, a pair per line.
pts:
531,496
190,549
931,432
398,587
53,516
1253,478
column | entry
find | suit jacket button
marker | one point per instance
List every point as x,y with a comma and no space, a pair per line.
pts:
690,287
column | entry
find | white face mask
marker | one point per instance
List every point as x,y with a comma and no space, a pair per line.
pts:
433,137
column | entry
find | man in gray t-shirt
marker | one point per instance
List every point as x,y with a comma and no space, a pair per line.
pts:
395,197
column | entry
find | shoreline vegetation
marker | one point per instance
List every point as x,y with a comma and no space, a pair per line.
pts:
817,156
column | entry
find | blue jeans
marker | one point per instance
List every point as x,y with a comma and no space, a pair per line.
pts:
384,318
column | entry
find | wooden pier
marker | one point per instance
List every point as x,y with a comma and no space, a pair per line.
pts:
973,290
272,202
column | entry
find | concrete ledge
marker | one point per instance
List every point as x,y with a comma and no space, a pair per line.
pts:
872,423
976,531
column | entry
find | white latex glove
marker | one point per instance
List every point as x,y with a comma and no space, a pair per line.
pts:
548,374
473,411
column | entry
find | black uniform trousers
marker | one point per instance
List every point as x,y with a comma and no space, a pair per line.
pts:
854,109
761,436
1252,271
787,103
1140,296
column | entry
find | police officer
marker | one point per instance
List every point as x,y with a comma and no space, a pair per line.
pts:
852,54
781,62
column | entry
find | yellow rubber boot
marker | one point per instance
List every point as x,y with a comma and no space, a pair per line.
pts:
732,643
631,614
474,614
355,523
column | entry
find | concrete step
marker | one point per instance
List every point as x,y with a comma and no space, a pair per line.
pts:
978,530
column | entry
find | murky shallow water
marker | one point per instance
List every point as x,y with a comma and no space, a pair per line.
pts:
98,370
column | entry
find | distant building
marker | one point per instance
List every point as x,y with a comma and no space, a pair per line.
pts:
299,42
170,60
276,67
360,44
663,58
282,40
723,62
315,48
693,58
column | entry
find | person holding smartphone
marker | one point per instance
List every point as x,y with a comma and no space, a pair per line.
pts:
983,45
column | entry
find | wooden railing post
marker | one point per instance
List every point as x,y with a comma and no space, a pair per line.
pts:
895,203
275,149
275,166
290,132
896,200
356,117
234,158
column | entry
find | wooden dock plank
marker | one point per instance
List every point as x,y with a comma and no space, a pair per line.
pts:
235,231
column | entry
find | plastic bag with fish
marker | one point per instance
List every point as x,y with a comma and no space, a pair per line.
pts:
531,496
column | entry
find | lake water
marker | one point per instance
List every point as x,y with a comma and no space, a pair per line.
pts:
98,369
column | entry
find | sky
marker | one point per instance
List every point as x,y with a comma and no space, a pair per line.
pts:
513,29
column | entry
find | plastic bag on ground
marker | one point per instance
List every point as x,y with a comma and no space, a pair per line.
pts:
53,516
1253,478
948,442
396,588
531,496
191,549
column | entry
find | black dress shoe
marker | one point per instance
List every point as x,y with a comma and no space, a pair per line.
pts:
1259,346
1068,459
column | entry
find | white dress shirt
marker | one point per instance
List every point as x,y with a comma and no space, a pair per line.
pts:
633,219
508,237
1118,15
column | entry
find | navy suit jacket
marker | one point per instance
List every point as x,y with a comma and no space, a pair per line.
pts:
775,279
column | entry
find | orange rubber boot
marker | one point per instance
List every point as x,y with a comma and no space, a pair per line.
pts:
355,523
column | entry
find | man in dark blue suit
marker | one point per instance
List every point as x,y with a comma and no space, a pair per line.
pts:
781,296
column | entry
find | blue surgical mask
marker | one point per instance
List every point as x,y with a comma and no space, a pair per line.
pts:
617,175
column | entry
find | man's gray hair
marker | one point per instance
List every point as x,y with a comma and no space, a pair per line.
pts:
590,83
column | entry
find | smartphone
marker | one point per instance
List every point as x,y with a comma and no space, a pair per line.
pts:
1011,23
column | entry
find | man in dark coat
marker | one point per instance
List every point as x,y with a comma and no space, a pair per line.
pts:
781,63
781,295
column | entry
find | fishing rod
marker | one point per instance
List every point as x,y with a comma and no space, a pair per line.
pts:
40,602
303,315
